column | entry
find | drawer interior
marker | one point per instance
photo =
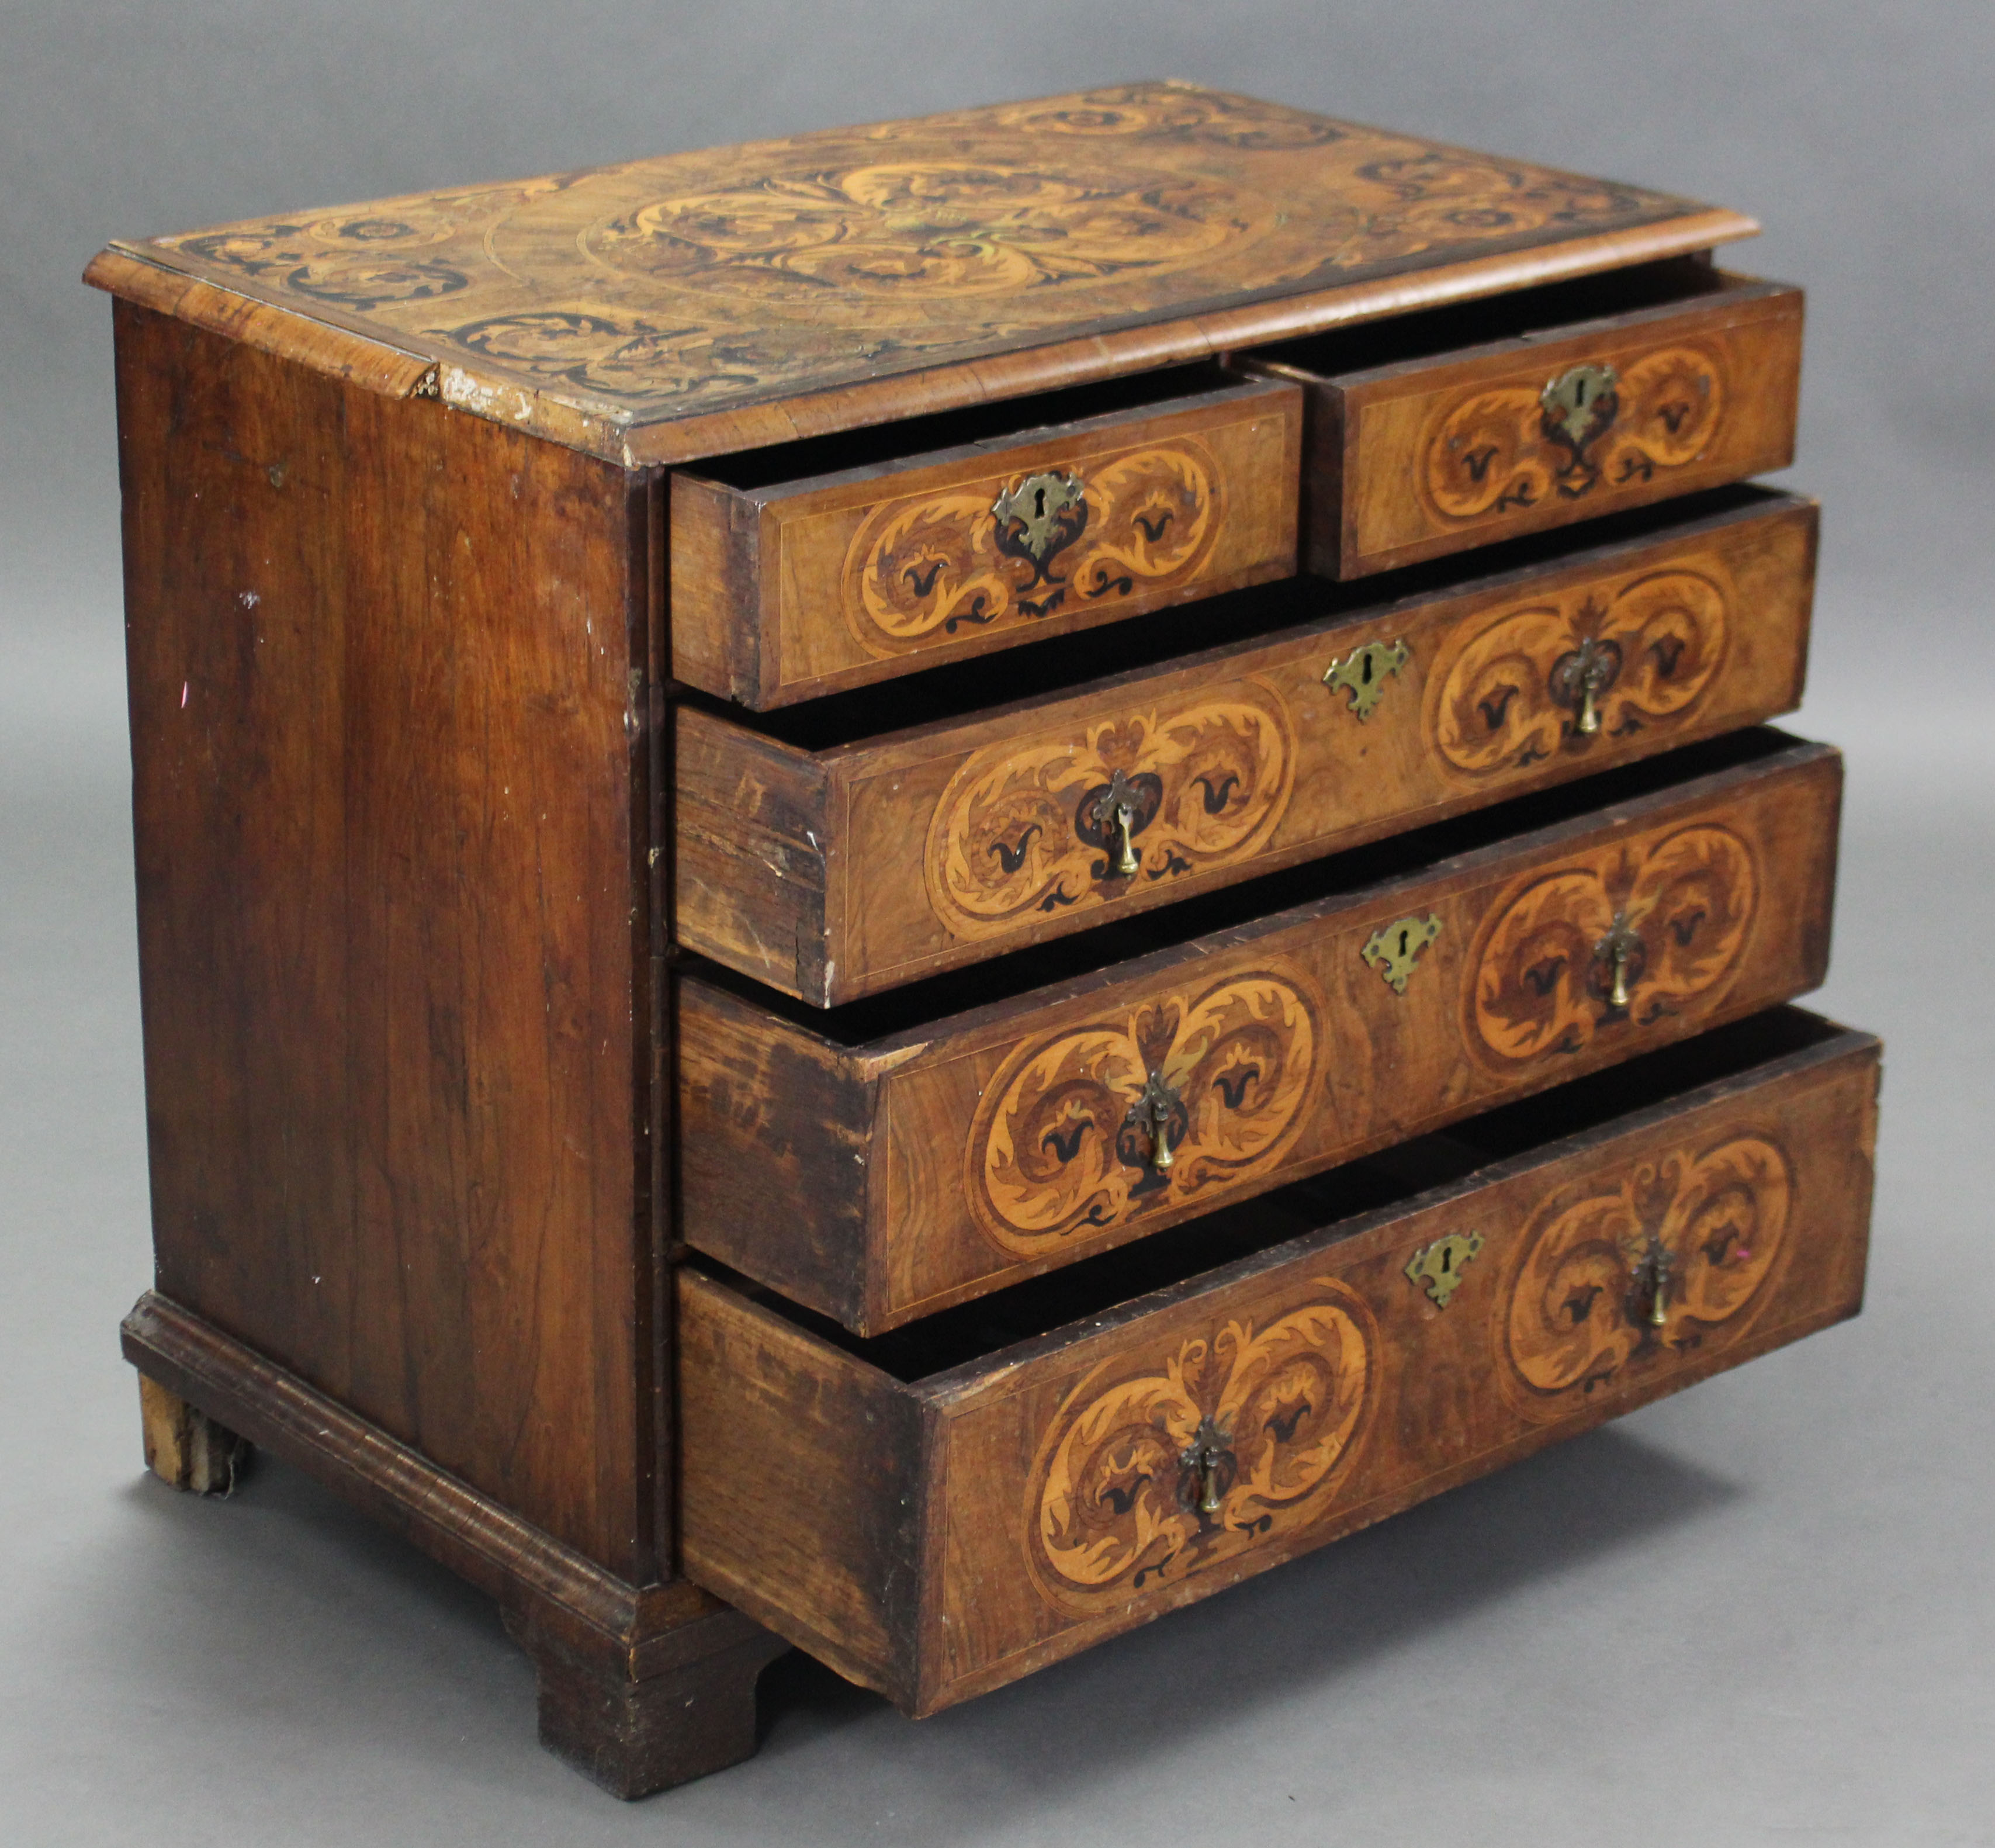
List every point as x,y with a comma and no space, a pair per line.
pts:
1003,423
917,1008
1341,1202
1550,307
1061,666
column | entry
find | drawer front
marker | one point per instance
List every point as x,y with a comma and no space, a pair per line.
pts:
880,1183
995,1517
898,860
785,592
1535,432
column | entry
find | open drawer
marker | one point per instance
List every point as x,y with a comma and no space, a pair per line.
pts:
863,842
880,1161
1452,428
798,571
938,1512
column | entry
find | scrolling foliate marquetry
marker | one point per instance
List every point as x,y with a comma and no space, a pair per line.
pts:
1610,1284
1501,448
1166,1463
927,566
663,288
1512,688
1061,1143
1677,913
1026,830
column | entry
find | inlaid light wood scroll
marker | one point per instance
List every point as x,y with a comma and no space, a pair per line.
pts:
924,567
1197,1449
1609,1285
1067,821
663,288
1666,924
1141,1111
1593,660
1514,447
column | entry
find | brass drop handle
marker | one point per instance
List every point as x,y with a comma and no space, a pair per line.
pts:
1126,863
1152,1112
1617,996
1589,672
1654,1274
1208,1479
1113,813
1620,947
1207,1451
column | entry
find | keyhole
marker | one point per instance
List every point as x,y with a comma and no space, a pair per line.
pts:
1367,675
1403,936
1039,503
1579,394
1448,1260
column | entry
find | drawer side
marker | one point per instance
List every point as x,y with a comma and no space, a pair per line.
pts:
753,843
777,1134
801,1484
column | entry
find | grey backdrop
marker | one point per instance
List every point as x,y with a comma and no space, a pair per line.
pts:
1761,1612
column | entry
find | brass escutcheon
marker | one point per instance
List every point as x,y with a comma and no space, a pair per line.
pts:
1579,403
1037,504
1362,672
1392,948
1438,1266
1203,1461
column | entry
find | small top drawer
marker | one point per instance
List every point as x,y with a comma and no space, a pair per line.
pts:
797,571
1610,393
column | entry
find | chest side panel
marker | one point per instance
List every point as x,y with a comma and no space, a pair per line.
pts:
384,757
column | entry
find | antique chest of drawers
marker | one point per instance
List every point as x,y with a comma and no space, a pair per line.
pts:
912,891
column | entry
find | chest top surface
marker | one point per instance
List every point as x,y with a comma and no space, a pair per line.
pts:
664,308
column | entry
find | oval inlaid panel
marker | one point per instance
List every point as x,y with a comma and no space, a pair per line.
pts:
1168,1462
1576,1317
1060,1141
937,230
927,566
1021,832
1497,449
1542,973
1507,692
721,276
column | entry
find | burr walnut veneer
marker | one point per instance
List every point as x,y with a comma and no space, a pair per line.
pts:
734,751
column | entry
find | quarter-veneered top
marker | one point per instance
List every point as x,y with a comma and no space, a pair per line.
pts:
667,308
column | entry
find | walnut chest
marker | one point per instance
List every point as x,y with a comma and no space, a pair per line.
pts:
912,891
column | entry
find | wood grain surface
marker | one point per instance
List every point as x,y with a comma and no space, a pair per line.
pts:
1688,394
389,776
803,586
1080,1466
661,310
879,1180
835,872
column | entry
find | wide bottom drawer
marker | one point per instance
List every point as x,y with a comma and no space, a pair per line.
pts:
938,1511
